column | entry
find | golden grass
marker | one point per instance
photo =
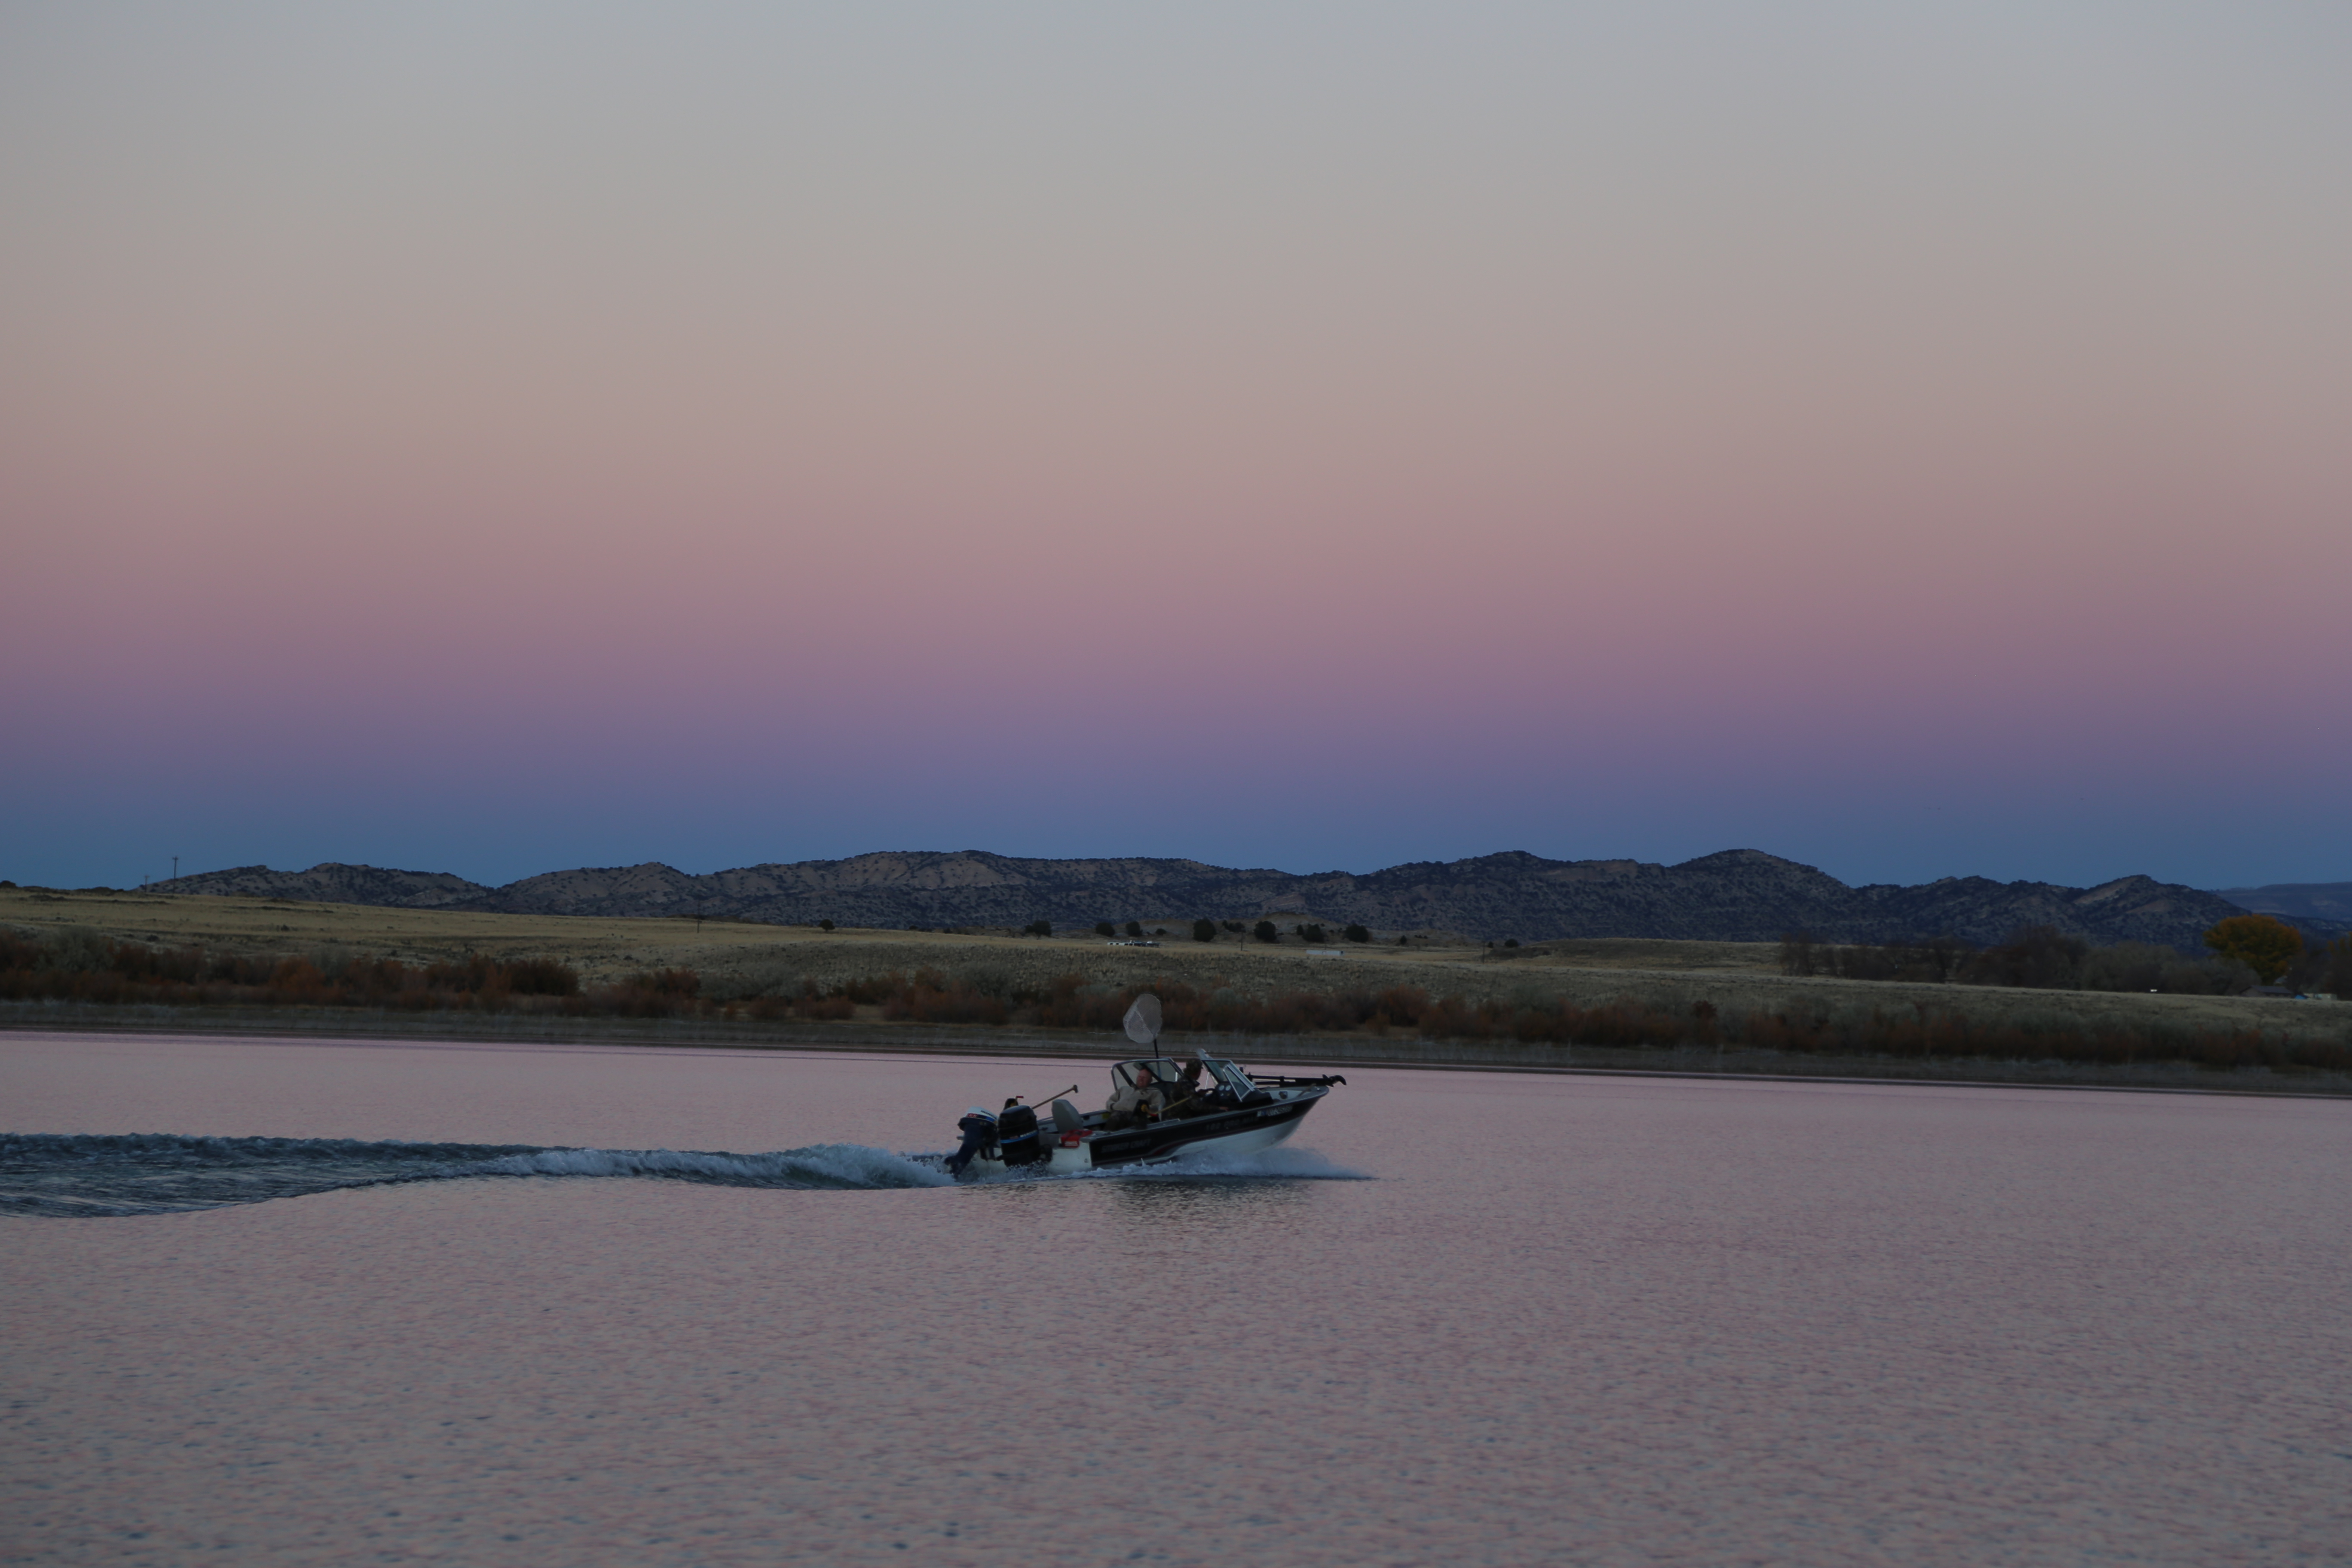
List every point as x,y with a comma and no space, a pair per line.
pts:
730,955
739,959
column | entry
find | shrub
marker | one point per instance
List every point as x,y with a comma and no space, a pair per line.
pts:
824,925
1796,954
1311,932
2039,956
1104,928
1936,960
932,998
1205,931
1234,926
542,977
1356,933
1038,928
1264,930
2139,966
1510,941
2336,978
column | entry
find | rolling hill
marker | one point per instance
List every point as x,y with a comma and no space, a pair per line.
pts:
1737,895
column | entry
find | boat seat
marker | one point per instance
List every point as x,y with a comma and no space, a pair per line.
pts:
1067,1117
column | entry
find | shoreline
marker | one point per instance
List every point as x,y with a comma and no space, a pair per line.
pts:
1410,1052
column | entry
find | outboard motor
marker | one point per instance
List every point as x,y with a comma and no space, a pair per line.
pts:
1016,1136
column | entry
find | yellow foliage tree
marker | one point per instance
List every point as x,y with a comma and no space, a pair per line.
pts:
2263,943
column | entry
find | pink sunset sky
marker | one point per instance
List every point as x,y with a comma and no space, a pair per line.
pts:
1915,440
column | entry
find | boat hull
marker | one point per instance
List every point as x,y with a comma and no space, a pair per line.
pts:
1228,1133
1239,1131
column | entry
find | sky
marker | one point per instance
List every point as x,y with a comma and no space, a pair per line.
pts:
1914,440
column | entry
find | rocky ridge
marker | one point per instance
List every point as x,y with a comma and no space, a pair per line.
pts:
1737,895
2306,904
331,882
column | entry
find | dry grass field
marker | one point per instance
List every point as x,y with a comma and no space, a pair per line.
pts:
726,953
738,961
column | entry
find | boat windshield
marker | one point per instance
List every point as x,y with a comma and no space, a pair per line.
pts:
1229,1075
1169,1071
1166,1070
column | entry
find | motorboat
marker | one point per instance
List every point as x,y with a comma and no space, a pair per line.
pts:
1159,1107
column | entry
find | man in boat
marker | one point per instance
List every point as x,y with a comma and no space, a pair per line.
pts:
979,1130
1187,1098
1016,1134
1136,1101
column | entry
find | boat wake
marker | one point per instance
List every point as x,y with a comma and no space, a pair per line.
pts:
69,1175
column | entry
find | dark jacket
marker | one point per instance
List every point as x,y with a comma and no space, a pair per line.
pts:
1016,1135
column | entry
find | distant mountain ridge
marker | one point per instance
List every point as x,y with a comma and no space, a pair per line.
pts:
333,883
2318,903
1737,895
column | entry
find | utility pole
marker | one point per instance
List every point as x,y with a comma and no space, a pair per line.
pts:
175,868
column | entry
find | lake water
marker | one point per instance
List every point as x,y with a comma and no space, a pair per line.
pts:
1469,1317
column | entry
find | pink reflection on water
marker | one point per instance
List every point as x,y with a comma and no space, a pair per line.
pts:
1617,1320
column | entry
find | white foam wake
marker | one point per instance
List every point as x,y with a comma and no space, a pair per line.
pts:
825,1165
74,1175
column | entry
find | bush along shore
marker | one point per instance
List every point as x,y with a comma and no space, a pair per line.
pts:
98,972
2246,951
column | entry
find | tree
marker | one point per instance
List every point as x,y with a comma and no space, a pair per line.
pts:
2263,943
2040,957
2337,978
1944,952
1796,953
1039,928
1234,926
1135,928
1311,932
824,925
1205,931
1356,933
1104,928
1264,930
